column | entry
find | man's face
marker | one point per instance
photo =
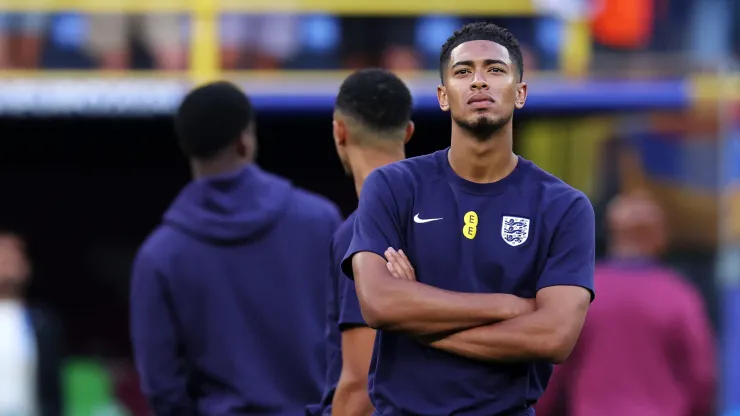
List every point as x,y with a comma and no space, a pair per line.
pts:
14,266
482,87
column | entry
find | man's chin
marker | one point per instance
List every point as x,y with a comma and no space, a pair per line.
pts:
480,123
483,120
482,127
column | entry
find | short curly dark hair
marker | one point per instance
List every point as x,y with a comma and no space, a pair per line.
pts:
482,31
376,98
212,117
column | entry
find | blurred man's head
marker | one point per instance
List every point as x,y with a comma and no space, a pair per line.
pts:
372,111
636,226
215,124
15,268
481,69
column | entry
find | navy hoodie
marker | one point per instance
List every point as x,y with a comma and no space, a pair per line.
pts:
227,298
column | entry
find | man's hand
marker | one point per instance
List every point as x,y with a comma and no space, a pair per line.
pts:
399,265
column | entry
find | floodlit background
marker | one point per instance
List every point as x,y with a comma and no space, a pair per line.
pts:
624,95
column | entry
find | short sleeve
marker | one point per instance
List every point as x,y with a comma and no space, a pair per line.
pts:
377,225
571,256
349,306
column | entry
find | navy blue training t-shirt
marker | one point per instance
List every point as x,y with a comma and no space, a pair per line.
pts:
342,312
523,233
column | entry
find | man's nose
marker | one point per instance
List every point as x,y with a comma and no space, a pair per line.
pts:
478,82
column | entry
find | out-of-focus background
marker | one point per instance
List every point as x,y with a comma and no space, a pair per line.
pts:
624,94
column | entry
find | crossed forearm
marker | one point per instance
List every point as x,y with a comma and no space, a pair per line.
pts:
420,309
529,337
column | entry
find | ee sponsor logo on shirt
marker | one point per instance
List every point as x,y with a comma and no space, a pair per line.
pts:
470,229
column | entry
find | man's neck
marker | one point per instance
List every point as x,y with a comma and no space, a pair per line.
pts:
220,166
482,161
367,159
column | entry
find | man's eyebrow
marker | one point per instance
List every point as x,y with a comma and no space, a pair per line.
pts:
486,62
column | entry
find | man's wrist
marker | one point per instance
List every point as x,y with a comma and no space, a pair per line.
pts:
510,306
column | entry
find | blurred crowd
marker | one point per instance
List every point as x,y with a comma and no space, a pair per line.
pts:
707,28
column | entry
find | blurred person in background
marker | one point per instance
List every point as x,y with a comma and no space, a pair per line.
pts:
263,41
498,300
228,293
646,348
372,123
622,25
21,40
373,41
30,340
164,35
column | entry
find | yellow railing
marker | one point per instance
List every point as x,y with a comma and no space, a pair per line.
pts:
341,7
204,63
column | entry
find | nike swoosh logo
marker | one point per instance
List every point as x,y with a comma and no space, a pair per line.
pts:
422,221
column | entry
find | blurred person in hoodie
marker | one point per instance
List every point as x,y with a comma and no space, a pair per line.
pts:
647,348
227,294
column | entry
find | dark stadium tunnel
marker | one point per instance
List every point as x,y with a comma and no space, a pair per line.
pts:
74,186
71,183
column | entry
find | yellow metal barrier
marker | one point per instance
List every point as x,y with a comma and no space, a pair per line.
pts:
575,54
340,7
204,59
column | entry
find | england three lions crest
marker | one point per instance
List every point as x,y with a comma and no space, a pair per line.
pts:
514,230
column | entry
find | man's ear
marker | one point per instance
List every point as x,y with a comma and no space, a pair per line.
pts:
409,132
521,95
339,132
444,103
246,146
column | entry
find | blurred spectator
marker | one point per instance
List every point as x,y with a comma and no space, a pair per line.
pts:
258,41
163,34
385,42
30,351
671,24
320,36
66,43
647,347
710,35
21,40
623,24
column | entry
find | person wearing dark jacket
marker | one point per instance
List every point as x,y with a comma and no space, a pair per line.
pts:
227,293
31,349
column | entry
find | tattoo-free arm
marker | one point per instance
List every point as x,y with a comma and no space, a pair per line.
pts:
394,304
351,396
549,333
